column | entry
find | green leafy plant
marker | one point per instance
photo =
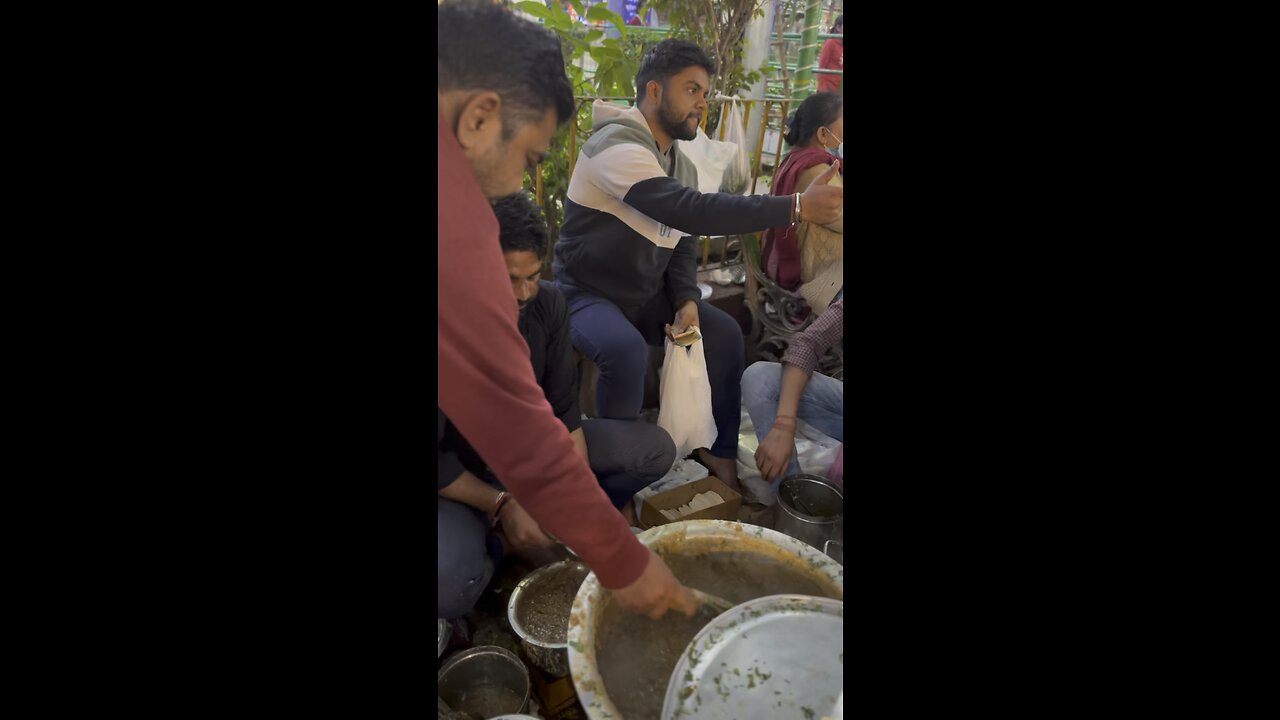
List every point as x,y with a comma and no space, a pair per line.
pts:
616,62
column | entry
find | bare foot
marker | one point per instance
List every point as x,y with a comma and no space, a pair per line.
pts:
725,469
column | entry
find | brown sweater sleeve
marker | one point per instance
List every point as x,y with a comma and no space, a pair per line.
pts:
485,384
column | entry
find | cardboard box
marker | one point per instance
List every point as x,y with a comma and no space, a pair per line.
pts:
684,471
675,497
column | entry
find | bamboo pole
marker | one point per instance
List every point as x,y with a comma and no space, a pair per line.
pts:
764,125
782,134
808,59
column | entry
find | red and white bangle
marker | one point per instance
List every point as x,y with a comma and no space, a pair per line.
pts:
497,508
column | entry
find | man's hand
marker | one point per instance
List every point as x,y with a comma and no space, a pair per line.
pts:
655,591
522,530
686,317
776,449
822,203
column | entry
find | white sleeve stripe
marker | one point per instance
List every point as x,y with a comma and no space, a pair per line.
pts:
615,169
625,160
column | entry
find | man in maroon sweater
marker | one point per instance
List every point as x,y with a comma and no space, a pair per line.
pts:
501,93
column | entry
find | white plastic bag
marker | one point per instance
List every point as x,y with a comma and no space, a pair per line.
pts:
685,394
737,175
710,157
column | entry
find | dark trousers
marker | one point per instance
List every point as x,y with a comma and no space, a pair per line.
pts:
627,455
617,342
464,563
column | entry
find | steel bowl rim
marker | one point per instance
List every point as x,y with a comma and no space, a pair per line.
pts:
481,650
803,516
518,592
445,629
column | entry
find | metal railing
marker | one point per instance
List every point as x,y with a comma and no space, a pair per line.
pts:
773,63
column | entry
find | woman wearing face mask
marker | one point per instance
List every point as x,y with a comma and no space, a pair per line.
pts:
809,258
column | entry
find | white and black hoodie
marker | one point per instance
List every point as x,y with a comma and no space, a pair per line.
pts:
631,213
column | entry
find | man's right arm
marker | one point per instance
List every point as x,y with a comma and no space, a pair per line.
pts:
630,173
811,174
485,386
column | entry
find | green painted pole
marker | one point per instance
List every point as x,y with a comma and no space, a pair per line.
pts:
808,50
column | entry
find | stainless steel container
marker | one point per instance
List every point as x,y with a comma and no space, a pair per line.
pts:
808,509
471,670
695,537
443,631
552,658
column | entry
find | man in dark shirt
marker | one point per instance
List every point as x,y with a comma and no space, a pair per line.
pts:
624,455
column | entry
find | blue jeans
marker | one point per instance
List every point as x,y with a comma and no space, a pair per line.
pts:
464,558
618,341
821,404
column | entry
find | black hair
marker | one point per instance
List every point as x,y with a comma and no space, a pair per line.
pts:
817,110
520,225
838,21
484,46
669,58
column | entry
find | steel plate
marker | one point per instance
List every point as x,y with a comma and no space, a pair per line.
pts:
780,656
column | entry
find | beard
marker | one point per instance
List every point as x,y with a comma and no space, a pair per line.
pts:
678,126
487,170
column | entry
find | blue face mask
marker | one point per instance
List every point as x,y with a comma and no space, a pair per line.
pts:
839,151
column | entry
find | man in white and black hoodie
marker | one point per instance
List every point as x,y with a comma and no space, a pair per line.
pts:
626,259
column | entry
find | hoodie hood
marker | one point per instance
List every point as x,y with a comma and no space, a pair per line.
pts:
604,114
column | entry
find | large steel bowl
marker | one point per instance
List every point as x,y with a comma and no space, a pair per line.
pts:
692,537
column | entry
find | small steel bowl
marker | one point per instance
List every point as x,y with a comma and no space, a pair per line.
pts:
551,658
486,664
